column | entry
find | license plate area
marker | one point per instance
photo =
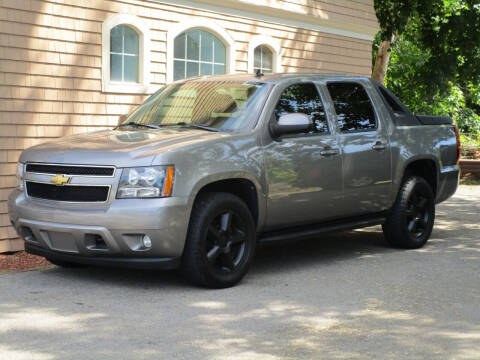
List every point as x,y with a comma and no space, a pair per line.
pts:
60,241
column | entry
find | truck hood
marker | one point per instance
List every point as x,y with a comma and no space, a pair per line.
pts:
120,148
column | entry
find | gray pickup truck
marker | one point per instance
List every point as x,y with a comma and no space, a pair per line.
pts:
207,168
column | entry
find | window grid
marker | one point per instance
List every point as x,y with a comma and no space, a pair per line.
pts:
262,68
186,60
123,54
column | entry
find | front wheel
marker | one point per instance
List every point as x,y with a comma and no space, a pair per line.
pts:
410,222
221,241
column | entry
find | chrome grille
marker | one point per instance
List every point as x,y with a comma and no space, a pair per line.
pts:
69,182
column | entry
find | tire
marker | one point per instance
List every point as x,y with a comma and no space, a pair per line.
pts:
221,241
411,219
65,264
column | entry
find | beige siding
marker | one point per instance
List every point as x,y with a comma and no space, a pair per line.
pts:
353,12
50,64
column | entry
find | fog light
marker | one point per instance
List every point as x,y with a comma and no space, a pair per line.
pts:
147,242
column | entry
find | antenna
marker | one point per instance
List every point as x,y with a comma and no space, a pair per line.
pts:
258,73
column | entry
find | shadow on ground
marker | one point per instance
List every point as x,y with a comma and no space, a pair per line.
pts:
345,296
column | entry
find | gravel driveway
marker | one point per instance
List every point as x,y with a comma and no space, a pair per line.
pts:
346,296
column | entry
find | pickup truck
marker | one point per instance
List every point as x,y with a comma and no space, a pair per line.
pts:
207,168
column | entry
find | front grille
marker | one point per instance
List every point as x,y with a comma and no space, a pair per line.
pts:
68,192
70,170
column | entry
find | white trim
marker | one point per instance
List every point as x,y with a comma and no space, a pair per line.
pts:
273,15
142,87
202,24
274,47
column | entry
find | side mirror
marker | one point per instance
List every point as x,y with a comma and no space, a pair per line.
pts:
121,119
292,123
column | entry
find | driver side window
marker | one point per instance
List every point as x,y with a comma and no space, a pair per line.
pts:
303,98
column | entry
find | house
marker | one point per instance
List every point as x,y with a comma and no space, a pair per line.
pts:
69,66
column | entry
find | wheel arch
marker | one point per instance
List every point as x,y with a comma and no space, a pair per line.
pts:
426,167
243,185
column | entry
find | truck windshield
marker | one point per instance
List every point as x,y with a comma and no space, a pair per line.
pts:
217,105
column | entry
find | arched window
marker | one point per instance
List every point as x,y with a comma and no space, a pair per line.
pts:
196,53
263,59
198,46
264,54
124,54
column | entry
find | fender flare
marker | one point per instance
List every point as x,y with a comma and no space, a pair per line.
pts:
231,175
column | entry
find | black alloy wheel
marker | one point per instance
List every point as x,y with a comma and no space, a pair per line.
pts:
221,241
411,219
225,242
417,214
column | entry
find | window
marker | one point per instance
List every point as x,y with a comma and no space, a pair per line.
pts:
199,46
394,106
353,107
263,59
123,54
264,54
222,105
197,53
303,98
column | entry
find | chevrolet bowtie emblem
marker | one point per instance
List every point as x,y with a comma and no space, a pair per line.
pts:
60,179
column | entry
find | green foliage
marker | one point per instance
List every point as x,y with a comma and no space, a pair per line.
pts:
468,121
449,30
393,16
407,80
470,140
435,61
470,146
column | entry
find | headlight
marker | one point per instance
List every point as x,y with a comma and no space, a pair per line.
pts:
20,170
146,182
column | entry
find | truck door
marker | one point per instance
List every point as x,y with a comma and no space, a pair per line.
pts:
303,171
366,149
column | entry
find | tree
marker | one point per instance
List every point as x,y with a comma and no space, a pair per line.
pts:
409,78
447,30
392,17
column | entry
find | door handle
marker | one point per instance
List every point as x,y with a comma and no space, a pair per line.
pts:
329,152
379,146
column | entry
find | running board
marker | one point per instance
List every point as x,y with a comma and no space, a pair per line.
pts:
299,233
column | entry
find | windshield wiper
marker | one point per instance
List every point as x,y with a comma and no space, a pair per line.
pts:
131,123
182,124
197,126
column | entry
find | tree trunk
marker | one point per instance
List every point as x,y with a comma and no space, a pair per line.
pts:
381,62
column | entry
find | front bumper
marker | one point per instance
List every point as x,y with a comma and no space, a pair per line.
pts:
129,263
102,233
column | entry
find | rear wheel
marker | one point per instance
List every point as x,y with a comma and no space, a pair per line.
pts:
221,241
410,222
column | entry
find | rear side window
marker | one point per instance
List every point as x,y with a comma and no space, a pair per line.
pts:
353,107
394,106
303,98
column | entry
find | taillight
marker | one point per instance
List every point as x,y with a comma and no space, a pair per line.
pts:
459,145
